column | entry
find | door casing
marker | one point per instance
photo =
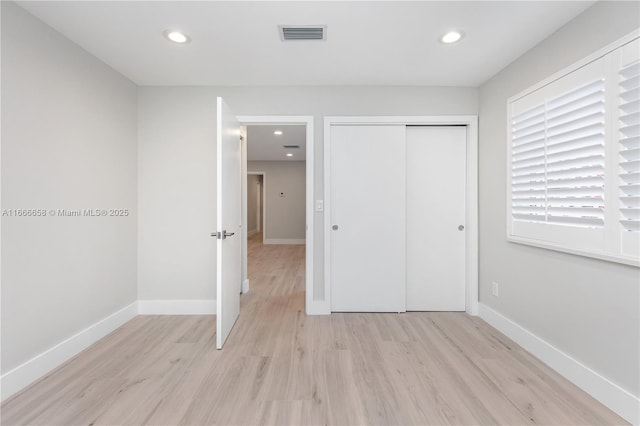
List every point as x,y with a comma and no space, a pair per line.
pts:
262,205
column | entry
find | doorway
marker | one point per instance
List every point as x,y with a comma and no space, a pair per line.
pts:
269,184
256,205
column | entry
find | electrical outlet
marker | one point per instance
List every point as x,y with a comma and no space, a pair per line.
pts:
495,289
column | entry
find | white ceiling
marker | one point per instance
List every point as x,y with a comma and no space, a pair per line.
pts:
368,43
263,145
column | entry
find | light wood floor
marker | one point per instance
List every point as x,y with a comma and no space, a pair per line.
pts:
281,367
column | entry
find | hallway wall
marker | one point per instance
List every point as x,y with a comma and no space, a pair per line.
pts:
284,216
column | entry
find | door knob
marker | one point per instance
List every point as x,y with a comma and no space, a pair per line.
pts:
460,227
222,235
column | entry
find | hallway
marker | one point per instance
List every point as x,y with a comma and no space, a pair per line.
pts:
281,367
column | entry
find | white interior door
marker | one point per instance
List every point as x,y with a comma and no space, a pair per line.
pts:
368,218
229,205
436,176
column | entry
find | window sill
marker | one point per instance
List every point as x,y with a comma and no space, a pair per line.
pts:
609,257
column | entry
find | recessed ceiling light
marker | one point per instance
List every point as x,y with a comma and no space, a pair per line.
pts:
176,36
451,37
289,154
277,132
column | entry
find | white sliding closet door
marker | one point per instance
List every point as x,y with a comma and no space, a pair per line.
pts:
368,220
436,182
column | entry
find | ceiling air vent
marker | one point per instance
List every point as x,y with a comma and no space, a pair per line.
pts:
291,146
303,32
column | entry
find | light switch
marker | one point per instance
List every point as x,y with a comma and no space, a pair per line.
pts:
319,205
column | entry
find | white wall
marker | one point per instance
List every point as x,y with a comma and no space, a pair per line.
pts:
285,216
587,308
177,193
68,142
172,118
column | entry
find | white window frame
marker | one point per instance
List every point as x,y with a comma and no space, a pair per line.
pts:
610,251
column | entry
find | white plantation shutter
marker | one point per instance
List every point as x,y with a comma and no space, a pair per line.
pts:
557,163
528,192
574,158
629,139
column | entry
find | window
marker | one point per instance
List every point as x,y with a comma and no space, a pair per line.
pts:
574,159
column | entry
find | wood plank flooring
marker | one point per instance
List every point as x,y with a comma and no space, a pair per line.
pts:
281,367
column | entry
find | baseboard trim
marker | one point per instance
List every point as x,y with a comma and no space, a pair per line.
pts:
252,233
177,307
284,241
245,286
617,399
20,377
317,308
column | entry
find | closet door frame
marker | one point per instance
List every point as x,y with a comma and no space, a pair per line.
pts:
471,214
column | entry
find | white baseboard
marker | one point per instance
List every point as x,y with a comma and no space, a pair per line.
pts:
617,399
284,241
20,377
317,308
177,307
15,380
245,286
